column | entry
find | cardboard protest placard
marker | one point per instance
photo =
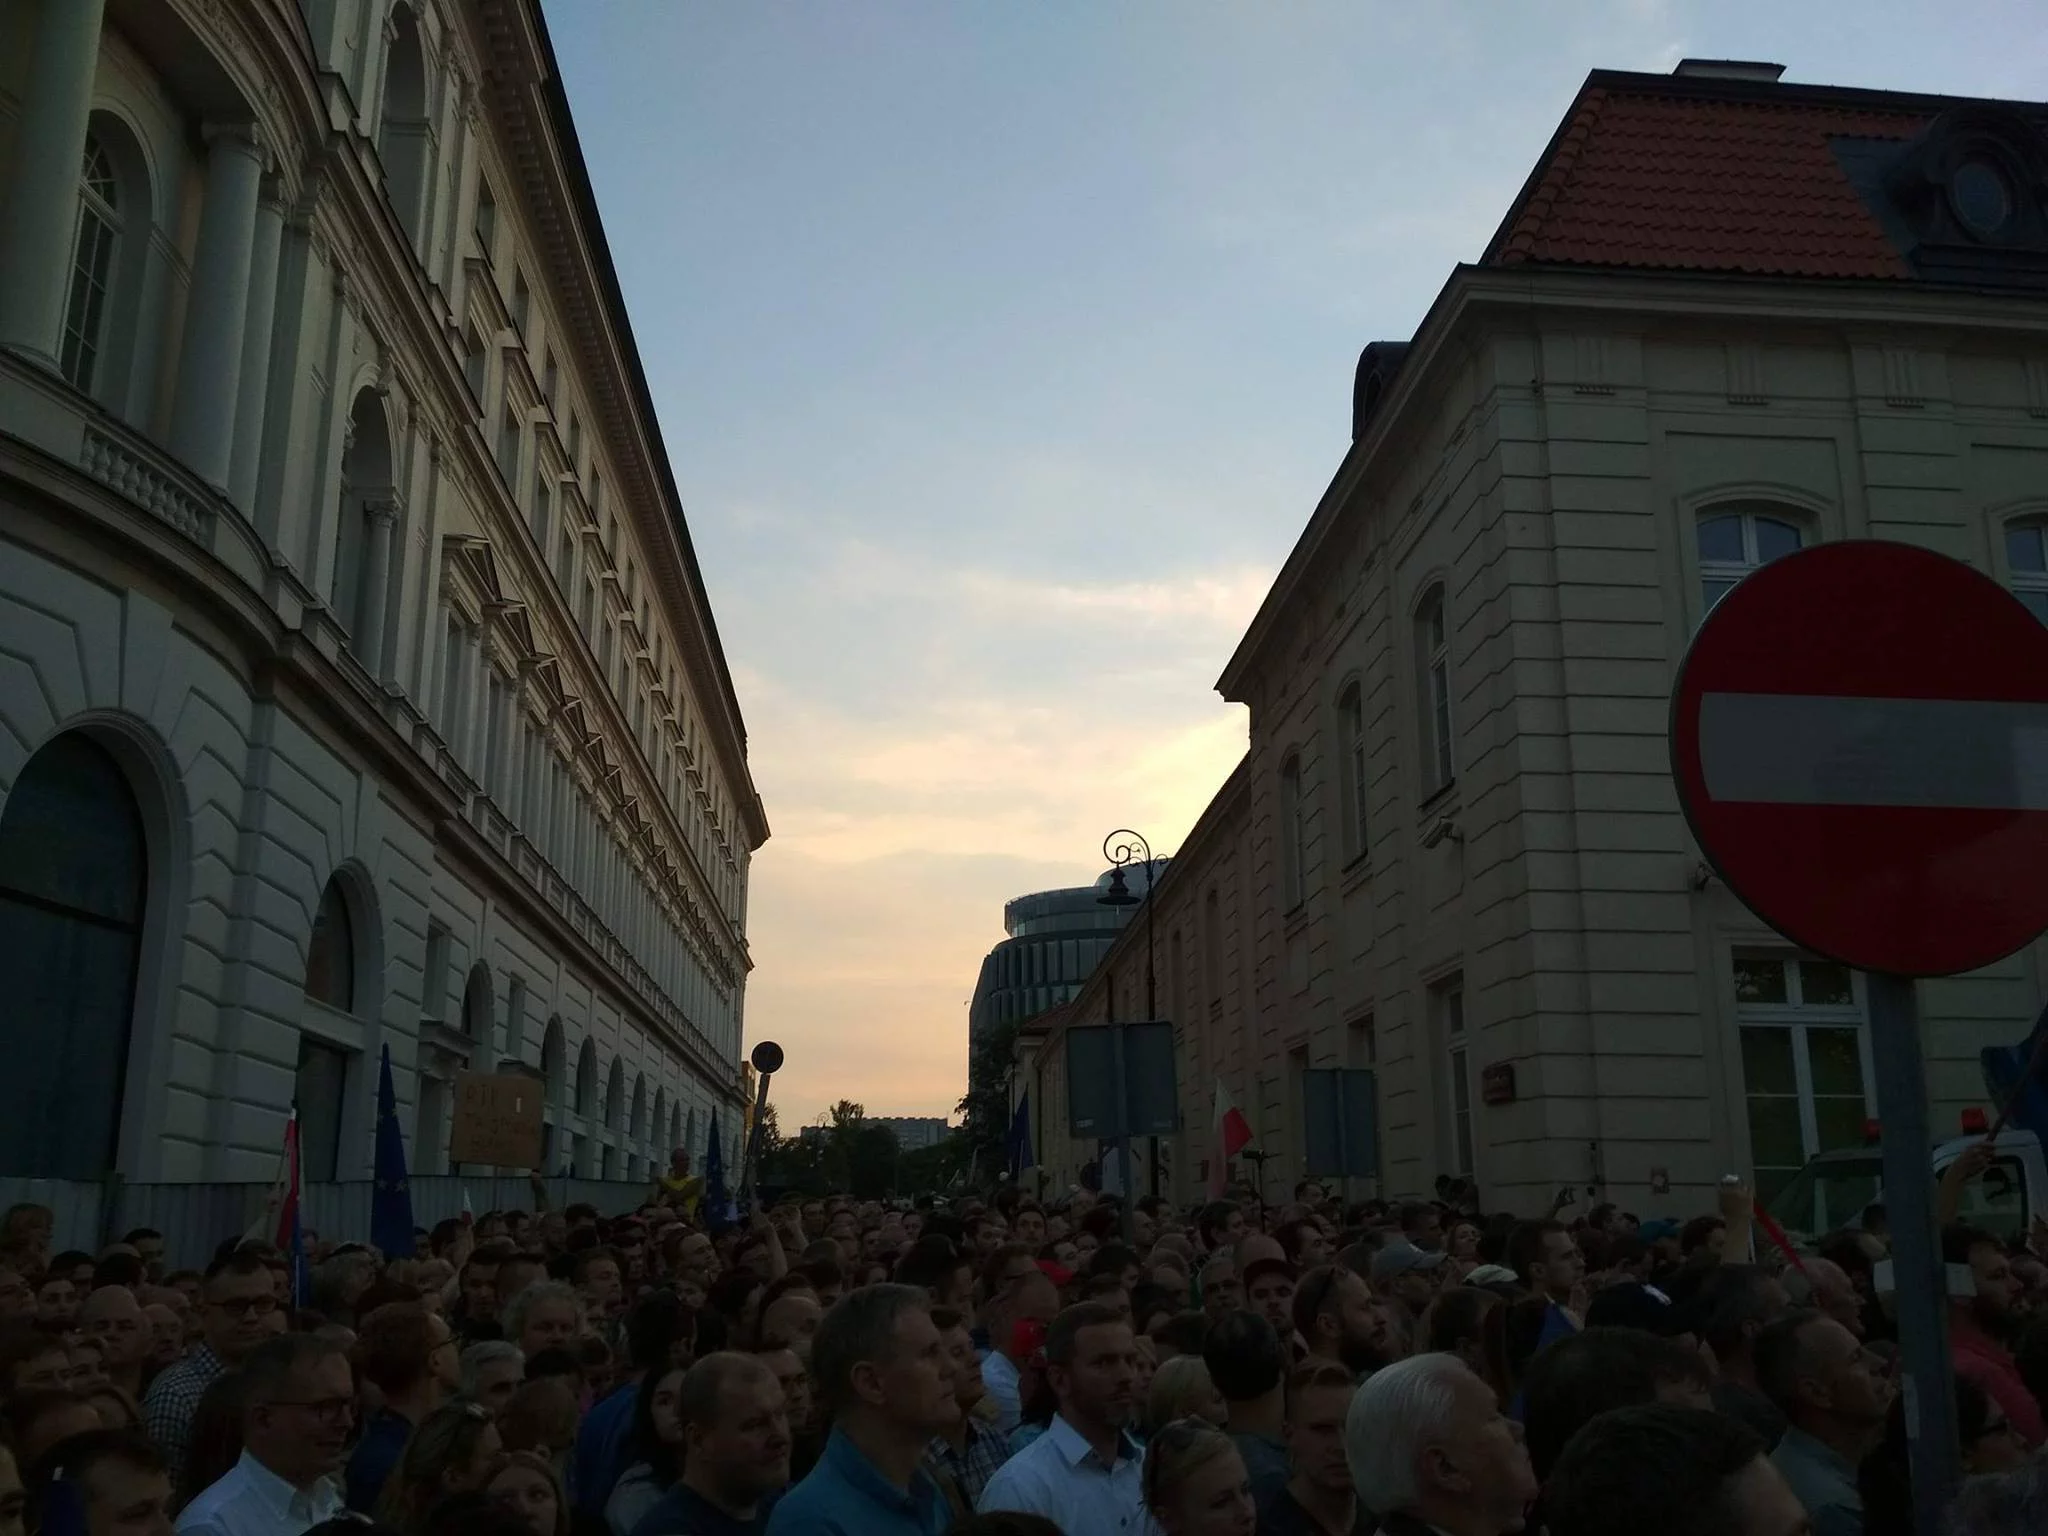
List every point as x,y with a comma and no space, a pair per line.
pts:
497,1120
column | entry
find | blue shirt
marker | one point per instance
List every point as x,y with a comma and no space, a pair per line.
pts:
375,1455
601,1451
846,1496
685,1512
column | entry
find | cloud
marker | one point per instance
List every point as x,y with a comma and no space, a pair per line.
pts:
1055,711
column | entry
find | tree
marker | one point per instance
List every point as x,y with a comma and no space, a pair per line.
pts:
932,1170
986,1107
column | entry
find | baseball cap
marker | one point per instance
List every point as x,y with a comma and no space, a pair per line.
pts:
1492,1274
1400,1258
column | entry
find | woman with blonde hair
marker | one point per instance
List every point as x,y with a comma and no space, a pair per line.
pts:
1195,1482
447,1454
1181,1389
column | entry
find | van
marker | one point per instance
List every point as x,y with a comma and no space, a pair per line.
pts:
1831,1191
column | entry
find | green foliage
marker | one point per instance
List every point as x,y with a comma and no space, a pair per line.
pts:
987,1105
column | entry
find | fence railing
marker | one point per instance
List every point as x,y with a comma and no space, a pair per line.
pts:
196,1218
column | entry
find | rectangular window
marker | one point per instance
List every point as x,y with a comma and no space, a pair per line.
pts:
1447,1002
522,303
1806,1069
575,445
550,378
1351,767
317,1089
543,505
565,557
451,678
434,984
1439,766
510,431
475,361
486,222
1293,836
1212,947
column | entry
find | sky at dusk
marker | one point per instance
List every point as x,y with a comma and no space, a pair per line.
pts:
1003,349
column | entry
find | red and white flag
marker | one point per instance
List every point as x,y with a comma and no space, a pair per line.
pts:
468,1210
1231,1134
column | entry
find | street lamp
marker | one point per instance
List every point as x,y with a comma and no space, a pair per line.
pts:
1124,848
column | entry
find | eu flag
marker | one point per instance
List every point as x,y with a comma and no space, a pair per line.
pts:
717,1206
391,1197
2017,1077
1018,1143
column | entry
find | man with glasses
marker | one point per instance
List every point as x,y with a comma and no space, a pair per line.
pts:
236,1305
299,1409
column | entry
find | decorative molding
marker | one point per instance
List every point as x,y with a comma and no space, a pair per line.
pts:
1902,385
1746,374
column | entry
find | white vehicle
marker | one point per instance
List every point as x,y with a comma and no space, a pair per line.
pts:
1831,1191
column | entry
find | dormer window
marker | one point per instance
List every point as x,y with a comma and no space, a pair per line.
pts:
1982,196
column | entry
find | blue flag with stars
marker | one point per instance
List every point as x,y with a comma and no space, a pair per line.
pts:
391,1198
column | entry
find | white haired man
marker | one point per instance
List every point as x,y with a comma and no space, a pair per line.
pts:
1430,1450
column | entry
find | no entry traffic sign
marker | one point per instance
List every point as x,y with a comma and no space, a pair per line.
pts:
1860,741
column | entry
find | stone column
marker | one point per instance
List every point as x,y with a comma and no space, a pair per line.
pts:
41,216
382,511
253,387
216,314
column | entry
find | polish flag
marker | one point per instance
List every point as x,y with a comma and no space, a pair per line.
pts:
1230,1136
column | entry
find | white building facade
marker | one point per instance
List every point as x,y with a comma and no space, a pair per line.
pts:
358,685
1453,854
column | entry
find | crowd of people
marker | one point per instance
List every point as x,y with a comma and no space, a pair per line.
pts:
1011,1367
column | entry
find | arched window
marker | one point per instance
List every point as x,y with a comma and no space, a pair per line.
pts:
1433,651
1733,541
675,1127
365,531
659,1128
92,266
73,875
405,146
1351,769
690,1132
638,1128
586,1078
615,1096
331,957
1293,837
2026,565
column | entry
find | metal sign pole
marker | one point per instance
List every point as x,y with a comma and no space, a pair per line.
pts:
1926,1375
1121,1144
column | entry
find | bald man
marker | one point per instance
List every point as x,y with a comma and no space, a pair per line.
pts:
112,1318
790,1323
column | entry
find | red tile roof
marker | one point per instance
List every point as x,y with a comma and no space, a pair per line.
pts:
1677,180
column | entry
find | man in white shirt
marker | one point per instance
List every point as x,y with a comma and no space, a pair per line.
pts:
1085,1473
295,1427
1019,1291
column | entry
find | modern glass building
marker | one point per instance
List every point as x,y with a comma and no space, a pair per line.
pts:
1055,938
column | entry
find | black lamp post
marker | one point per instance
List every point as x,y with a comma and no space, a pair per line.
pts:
1124,848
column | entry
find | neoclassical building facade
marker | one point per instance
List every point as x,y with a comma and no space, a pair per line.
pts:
1727,317
358,684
